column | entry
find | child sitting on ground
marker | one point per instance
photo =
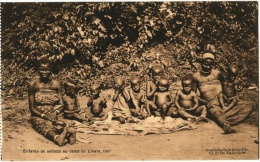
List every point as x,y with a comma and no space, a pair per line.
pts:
135,98
71,104
228,98
187,102
162,99
151,88
96,103
121,111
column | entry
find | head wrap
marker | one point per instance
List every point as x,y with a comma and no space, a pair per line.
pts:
208,56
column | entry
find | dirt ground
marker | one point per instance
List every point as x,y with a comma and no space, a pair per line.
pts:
21,142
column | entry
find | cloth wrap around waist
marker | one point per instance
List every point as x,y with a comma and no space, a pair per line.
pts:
45,101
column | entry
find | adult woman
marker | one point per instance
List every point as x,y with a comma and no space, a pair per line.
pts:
45,104
208,82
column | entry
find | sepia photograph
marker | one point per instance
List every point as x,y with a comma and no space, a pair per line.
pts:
85,81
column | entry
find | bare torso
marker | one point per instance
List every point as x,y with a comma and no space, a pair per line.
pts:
70,103
186,101
161,98
229,89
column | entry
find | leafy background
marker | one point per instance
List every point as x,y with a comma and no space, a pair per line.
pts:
97,41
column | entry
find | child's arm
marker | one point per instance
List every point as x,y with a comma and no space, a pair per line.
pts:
115,95
104,103
176,102
134,100
196,101
149,93
144,99
89,103
77,103
126,92
221,100
171,100
233,103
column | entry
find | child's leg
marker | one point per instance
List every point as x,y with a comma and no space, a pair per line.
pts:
164,111
173,112
79,117
103,116
134,112
201,111
184,114
72,135
154,109
118,115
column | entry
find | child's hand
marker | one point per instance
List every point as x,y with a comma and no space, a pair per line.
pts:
52,116
225,107
191,108
209,105
138,109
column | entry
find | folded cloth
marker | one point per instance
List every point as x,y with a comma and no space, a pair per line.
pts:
239,113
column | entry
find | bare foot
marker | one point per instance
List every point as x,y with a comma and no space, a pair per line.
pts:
60,140
130,120
72,135
104,117
203,119
121,120
228,130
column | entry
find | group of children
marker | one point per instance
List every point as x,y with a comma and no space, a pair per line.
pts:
130,100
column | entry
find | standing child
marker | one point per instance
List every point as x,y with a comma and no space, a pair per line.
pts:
228,98
96,103
151,88
187,102
71,104
121,111
163,100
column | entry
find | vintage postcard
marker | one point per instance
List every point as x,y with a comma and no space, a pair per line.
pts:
129,81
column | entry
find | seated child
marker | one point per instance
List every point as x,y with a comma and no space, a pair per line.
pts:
121,111
163,102
96,103
228,98
151,88
187,102
135,98
71,104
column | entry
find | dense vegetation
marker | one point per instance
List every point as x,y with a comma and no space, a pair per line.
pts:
96,41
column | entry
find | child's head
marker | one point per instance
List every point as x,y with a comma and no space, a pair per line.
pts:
95,89
163,84
135,83
208,61
119,82
70,88
232,72
157,71
186,82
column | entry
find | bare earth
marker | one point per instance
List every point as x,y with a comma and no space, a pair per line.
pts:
175,146
205,142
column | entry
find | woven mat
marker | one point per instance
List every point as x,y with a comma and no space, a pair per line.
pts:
151,125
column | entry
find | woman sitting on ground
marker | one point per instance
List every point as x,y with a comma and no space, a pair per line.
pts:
45,104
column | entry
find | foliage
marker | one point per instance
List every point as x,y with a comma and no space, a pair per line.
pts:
96,41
